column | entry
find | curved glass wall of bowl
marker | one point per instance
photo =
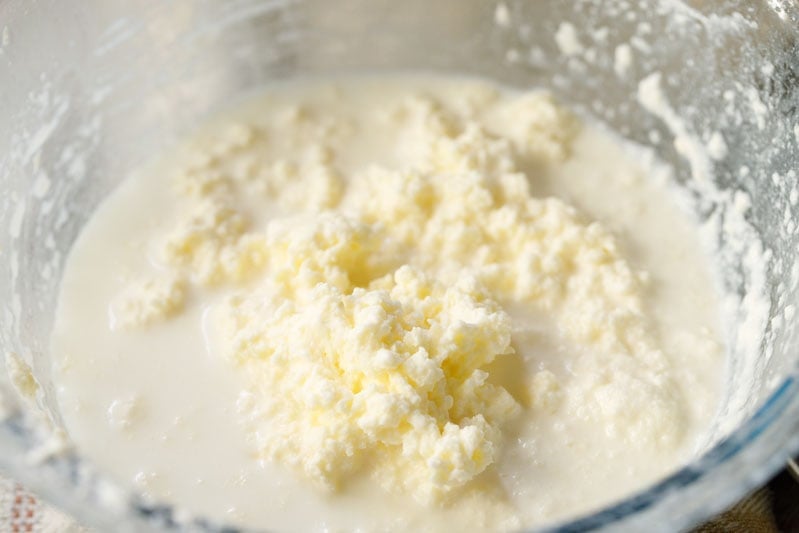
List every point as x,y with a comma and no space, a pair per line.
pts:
91,88
793,468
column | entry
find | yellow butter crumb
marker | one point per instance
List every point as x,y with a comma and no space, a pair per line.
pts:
148,301
21,377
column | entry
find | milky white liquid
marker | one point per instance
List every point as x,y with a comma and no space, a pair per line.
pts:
156,407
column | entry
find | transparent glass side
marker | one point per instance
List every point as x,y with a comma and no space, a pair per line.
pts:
91,89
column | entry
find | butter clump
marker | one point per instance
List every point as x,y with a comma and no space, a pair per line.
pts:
348,368
148,301
367,314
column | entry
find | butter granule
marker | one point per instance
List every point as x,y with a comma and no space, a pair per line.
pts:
148,301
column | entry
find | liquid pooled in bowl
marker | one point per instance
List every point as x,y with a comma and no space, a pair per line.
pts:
390,303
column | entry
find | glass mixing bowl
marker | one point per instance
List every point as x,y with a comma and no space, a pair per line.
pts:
90,89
